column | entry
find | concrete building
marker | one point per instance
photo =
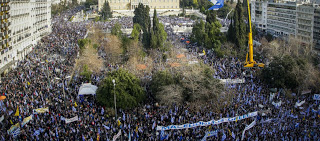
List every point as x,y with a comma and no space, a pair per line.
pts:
30,21
259,14
21,28
316,29
5,48
305,21
281,18
40,19
132,4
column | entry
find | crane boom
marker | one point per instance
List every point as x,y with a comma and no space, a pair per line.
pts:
251,63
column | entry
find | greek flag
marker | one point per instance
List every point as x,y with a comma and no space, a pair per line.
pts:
36,133
16,132
217,4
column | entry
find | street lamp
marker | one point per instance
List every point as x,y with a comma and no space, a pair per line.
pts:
114,94
64,94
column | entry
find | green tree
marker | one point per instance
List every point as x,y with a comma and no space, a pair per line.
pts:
279,73
198,32
214,37
141,17
239,27
106,11
128,91
158,34
116,30
231,32
161,78
136,31
211,16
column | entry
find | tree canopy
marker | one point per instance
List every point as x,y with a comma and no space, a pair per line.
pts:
158,34
106,11
116,30
141,17
237,33
128,91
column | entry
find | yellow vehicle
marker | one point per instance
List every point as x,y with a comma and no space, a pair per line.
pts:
251,63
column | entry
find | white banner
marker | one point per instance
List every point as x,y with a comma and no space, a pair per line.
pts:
40,110
116,136
247,128
212,122
232,81
72,119
316,97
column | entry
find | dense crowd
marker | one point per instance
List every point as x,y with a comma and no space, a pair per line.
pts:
41,78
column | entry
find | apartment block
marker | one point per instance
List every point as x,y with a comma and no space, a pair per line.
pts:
281,18
316,29
259,14
5,48
304,23
29,20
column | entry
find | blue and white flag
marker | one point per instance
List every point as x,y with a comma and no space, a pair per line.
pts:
36,133
247,128
224,136
16,132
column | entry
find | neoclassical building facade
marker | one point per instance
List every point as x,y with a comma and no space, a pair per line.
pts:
132,4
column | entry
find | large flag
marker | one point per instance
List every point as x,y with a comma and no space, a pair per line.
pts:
217,4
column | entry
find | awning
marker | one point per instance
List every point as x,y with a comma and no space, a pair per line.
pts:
87,89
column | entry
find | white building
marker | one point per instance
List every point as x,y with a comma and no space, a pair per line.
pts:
259,14
281,18
305,21
30,21
316,29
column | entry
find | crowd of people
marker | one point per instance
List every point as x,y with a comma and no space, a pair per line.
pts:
42,80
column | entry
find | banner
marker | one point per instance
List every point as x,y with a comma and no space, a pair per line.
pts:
72,119
247,128
40,110
212,122
26,120
13,127
116,136
316,97
232,81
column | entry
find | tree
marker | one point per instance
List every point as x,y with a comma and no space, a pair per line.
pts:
211,16
239,27
198,32
106,11
116,30
141,17
279,73
231,32
214,38
127,89
158,34
136,31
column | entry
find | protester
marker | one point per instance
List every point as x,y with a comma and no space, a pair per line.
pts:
34,84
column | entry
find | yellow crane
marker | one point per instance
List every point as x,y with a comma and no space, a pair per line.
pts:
251,63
